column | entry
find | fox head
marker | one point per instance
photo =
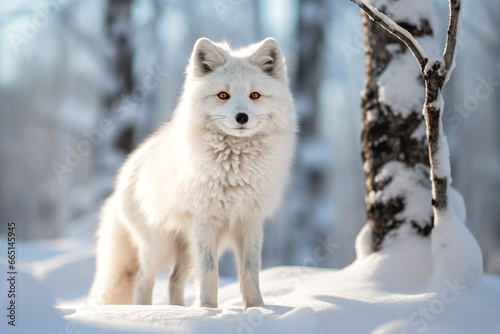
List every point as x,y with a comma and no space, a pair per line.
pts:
238,92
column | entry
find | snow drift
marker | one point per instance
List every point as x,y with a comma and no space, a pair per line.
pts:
395,290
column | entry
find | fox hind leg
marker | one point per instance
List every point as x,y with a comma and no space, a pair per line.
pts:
143,292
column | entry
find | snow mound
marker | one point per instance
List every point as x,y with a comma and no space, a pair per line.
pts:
457,255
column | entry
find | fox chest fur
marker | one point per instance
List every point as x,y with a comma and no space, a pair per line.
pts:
233,175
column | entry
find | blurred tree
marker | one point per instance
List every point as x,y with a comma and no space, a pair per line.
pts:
117,98
306,209
118,32
394,146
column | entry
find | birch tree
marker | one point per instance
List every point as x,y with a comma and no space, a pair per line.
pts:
456,254
436,72
394,147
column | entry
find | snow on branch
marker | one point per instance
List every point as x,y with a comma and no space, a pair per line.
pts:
452,39
388,24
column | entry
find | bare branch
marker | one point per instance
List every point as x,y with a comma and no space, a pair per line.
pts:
385,22
451,41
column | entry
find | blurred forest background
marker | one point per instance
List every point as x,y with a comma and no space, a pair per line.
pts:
83,82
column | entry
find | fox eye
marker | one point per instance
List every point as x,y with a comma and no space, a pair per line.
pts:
254,96
223,95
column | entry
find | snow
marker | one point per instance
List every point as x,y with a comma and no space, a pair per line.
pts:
393,26
405,10
410,183
400,289
441,165
363,242
400,86
372,114
456,253
420,132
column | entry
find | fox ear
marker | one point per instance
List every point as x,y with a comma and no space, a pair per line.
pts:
206,57
268,57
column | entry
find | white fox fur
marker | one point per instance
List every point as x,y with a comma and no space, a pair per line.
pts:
202,181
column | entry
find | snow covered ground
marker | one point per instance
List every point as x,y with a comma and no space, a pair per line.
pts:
391,291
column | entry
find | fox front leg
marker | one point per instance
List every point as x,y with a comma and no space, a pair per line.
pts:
248,252
207,268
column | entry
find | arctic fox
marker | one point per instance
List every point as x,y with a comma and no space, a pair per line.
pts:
203,181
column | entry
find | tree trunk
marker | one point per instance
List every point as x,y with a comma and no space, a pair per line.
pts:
393,131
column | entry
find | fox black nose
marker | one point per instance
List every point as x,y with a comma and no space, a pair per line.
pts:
241,118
